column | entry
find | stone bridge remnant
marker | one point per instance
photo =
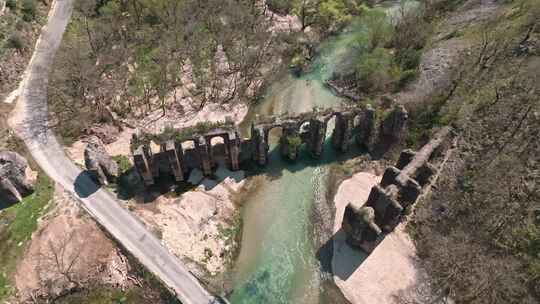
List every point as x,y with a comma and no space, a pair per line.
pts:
353,123
15,179
400,187
98,162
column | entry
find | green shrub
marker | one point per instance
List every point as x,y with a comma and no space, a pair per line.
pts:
123,163
11,4
376,70
15,42
408,58
407,76
411,31
29,10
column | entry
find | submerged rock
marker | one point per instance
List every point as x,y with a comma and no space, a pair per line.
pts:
98,162
15,178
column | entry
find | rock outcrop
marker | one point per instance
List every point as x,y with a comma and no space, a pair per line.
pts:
98,162
15,182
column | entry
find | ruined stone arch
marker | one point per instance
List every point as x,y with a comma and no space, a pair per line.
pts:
213,141
306,123
270,128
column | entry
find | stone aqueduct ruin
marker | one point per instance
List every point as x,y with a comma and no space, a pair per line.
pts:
351,124
399,189
364,224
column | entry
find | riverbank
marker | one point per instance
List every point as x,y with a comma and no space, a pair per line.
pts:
201,226
391,273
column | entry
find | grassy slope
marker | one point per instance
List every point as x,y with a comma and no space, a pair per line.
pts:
18,223
479,235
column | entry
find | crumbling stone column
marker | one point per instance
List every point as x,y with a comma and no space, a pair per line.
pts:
234,151
365,127
360,227
289,149
405,158
425,173
174,154
205,158
317,136
387,209
258,139
143,165
343,131
394,124
409,192
98,162
389,176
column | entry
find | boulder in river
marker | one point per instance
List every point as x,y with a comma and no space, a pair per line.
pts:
16,180
98,162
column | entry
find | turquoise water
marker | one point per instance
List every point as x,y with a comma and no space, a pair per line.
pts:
277,263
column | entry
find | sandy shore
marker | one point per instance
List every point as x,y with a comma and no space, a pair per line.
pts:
390,273
199,225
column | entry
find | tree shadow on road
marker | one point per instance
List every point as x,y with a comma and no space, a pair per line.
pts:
85,185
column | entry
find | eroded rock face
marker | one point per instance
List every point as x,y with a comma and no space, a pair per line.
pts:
98,162
15,182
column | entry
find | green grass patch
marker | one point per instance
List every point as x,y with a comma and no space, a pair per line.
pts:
18,222
123,163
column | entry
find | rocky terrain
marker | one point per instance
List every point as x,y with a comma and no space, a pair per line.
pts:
16,178
201,225
67,252
98,162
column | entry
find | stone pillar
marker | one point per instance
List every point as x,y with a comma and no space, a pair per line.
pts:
360,227
286,148
174,155
317,136
405,158
143,165
204,156
425,174
389,176
258,140
366,127
387,209
394,124
343,131
234,151
153,165
409,192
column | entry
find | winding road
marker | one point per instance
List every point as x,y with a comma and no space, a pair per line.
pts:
29,121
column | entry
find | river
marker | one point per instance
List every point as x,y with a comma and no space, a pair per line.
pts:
277,261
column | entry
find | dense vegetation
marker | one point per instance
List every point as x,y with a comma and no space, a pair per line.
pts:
18,30
387,50
326,15
134,57
479,235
